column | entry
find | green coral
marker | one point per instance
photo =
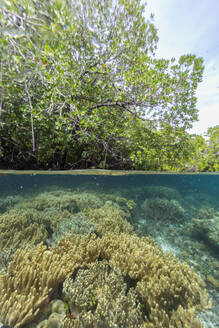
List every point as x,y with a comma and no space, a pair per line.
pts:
92,300
207,231
163,209
63,200
8,202
74,223
160,192
60,200
125,204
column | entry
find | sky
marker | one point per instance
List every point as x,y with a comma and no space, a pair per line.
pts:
192,27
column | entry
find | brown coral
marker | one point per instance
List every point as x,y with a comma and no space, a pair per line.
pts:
18,230
206,213
63,200
31,278
162,282
169,292
109,218
77,251
167,288
99,297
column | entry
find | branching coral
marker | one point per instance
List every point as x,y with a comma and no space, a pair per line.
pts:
168,290
72,223
59,200
127,205
180,319
77,251
17,230
109,218
112,278
99,297
206,213
31,278
63,200
33,275
8,202
162,282
155,288
5,257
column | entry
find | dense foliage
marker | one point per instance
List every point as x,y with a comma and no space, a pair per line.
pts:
205,151
80,88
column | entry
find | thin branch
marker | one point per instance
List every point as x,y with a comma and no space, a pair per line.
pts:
14,44
78,97
1,95
122,105
24,19
31,117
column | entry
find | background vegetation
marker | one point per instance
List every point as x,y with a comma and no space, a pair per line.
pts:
81,88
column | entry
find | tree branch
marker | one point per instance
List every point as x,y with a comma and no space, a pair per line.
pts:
1,95
31,117
123,105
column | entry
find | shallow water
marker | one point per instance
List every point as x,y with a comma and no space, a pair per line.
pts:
180,212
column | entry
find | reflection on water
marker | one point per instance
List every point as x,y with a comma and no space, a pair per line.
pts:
73,251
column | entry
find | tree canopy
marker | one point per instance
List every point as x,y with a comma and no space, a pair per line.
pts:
204,155
81,87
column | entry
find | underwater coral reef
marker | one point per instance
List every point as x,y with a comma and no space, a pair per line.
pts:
78,258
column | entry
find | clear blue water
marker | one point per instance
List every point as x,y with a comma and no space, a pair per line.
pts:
180,212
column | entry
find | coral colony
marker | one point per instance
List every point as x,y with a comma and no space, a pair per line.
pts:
74,259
